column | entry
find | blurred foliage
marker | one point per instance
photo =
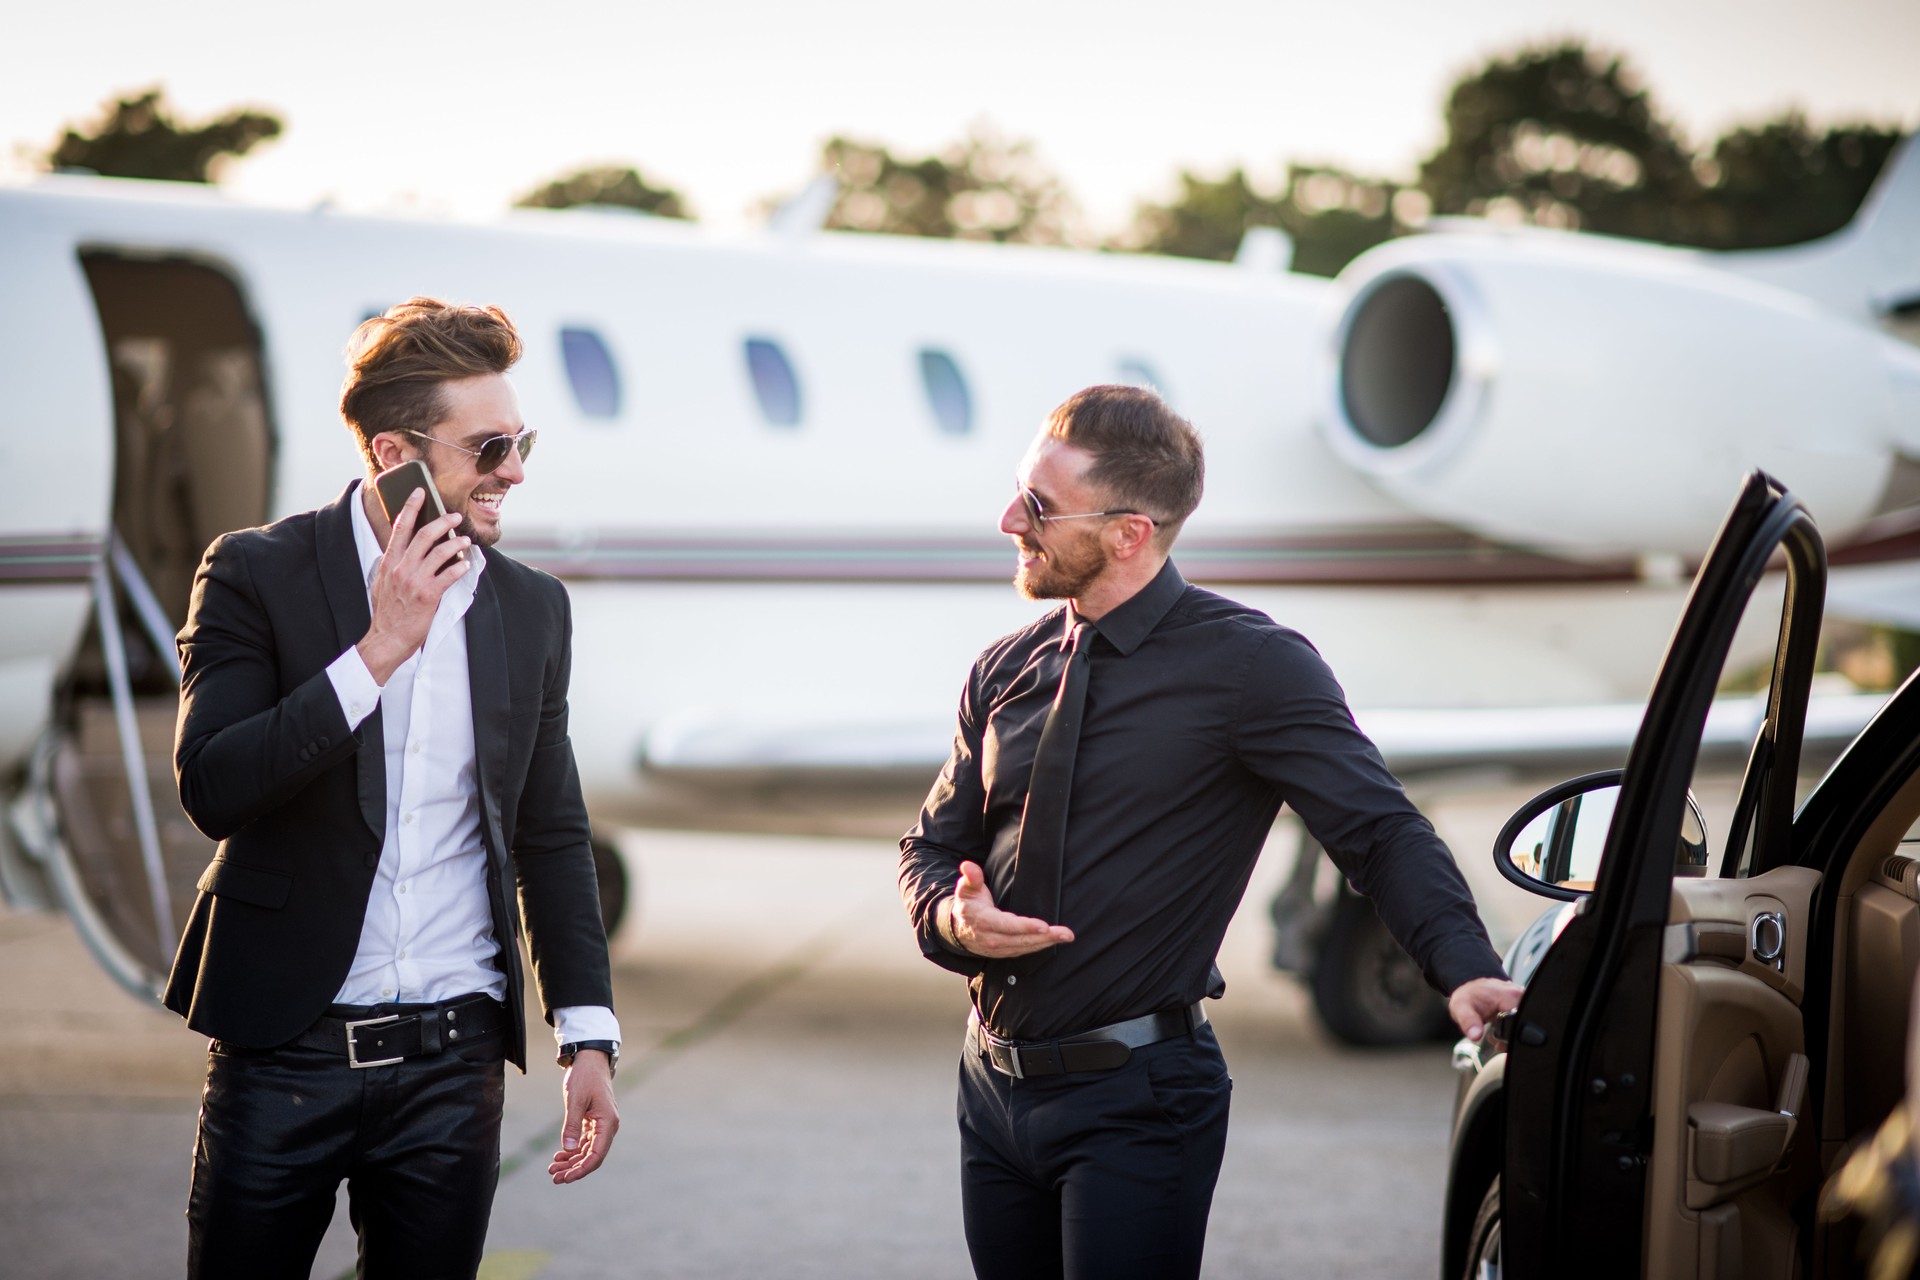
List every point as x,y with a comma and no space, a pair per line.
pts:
1782,182
1331,214
610,185
1903,648
984,187
138,137
1559,136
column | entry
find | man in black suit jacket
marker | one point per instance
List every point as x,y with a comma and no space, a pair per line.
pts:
373,725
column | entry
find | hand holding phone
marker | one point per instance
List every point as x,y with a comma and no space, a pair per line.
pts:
414,573
396,483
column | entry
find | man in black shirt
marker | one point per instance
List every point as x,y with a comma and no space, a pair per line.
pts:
1117,767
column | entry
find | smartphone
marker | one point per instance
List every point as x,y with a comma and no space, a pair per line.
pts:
396,483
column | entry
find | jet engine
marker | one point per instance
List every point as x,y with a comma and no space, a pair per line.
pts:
1592,396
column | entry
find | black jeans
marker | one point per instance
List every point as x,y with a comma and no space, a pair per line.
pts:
417,1143
1101,1175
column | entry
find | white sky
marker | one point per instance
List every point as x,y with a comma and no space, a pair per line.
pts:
457,108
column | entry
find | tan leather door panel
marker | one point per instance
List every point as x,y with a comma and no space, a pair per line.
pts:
1729,1040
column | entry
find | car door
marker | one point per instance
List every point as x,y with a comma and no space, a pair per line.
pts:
1659,1037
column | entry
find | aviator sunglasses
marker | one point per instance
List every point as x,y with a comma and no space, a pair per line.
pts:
1038,514
492,451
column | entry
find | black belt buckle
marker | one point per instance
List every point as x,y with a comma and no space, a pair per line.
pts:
353,1044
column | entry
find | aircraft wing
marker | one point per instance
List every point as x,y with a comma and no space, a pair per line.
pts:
718,752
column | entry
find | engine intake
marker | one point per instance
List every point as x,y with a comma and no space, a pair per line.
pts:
1594,397
1396,363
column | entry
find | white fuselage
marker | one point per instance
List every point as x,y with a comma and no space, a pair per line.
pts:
838,574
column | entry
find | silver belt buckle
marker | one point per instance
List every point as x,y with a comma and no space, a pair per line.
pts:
353,1050
1011,1051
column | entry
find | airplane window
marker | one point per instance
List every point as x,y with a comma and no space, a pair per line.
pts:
596,383
774,382
946,392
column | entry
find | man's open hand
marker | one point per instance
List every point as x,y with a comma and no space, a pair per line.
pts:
986,930
1474,1003
592,1119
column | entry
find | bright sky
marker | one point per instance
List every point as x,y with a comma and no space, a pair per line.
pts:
458,108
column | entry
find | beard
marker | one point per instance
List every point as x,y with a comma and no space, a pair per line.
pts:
1063,574
481,537
467,529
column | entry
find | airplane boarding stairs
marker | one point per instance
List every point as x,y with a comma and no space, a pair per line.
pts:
97,829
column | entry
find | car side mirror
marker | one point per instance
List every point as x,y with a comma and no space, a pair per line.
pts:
1552,845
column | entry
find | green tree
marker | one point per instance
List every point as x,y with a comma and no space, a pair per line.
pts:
1782,182
615,185
1557,136
138,137
1331,214
1562,137
983,187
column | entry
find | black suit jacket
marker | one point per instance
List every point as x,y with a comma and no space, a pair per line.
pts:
268,768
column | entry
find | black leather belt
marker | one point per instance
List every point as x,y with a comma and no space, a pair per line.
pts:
381,1039
1101,1049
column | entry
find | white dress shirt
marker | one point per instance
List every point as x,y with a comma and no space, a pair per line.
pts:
428,933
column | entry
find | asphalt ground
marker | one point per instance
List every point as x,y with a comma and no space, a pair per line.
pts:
786,1098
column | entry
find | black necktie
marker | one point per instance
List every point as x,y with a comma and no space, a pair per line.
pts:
1037,858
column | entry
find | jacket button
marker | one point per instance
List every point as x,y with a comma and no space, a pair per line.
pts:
324,743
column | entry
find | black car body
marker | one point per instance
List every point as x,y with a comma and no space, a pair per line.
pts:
1695,1053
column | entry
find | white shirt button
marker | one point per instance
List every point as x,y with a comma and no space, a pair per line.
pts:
401,889
387,992
414,750
407,821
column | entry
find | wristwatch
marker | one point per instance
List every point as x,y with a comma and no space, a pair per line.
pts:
609,1047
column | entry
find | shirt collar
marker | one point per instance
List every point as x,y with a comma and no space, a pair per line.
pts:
368,546
1129,623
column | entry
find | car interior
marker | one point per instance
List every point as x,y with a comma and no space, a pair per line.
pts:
1728,1189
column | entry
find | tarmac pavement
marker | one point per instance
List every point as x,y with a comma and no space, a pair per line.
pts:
786,1097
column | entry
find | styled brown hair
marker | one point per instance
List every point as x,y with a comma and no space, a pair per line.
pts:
1146,457
397,361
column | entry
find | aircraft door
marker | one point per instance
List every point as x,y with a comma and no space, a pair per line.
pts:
56,445
191,459
1663,1031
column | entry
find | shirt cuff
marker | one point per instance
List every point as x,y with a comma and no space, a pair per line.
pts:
943,926
575,1022
354,685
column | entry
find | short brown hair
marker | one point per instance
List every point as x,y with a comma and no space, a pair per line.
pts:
397,361
1146,457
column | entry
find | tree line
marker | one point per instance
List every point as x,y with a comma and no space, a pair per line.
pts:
1557,136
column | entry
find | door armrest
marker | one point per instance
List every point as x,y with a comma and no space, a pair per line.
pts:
1731,1143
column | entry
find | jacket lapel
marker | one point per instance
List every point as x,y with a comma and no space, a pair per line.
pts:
346,592
487,680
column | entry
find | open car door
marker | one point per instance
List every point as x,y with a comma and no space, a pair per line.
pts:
1660,1045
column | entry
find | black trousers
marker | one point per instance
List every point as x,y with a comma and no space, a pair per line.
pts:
1100,1175
417,1143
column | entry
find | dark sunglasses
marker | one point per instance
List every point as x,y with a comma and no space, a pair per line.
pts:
492,451
1038,514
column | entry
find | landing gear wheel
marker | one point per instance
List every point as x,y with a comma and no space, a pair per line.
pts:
1368,991
1483,1242
612,874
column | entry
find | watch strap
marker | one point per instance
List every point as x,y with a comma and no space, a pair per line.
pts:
609,1047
